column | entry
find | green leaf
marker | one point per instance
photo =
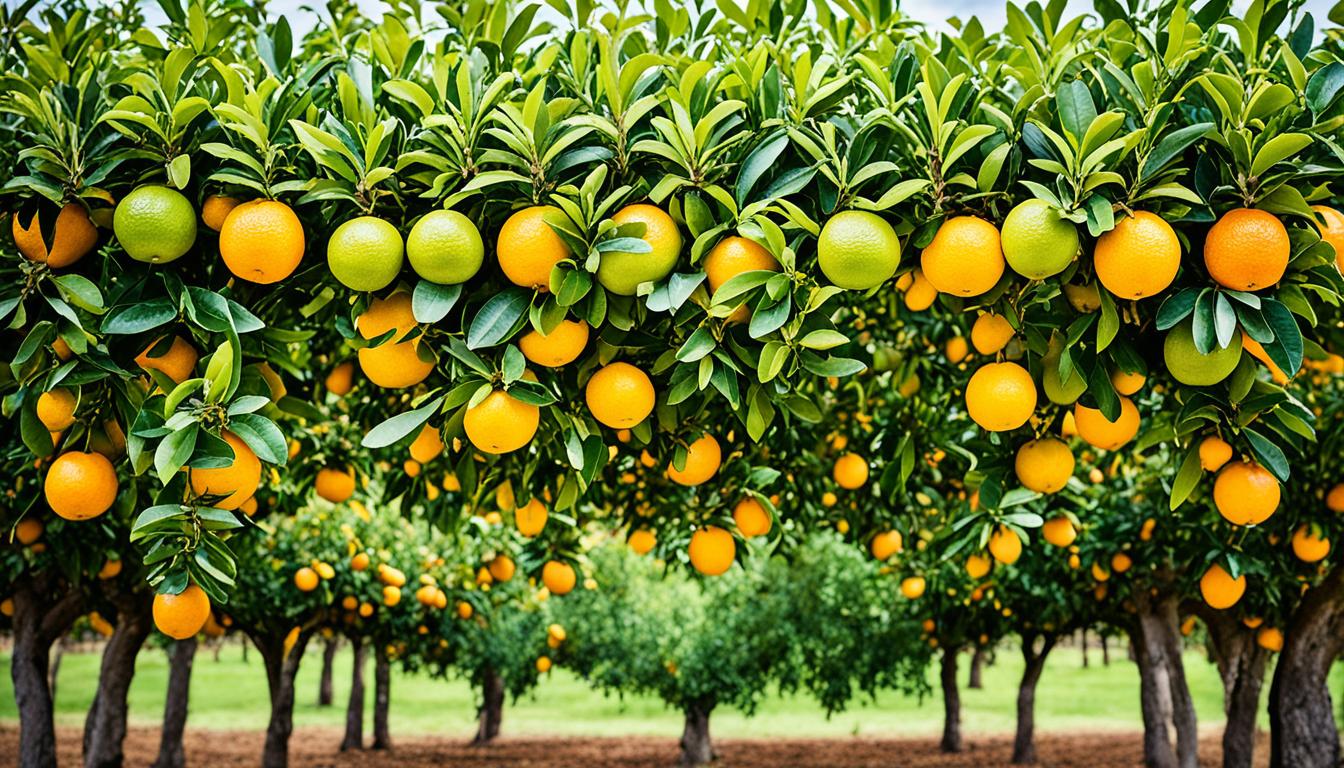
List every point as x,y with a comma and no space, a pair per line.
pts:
173,452
401,425
499,318
1268,453
1277,149
431,302
1186,479
262,436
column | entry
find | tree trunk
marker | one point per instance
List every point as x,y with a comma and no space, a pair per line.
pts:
324,695
354,711
36,625
1105,651
281,668
1083,645
382,696
105,725
1301,716
181,655
54,668
696,748
1158,627
1241,666
951,701
491,711
1155,701
1024,743
976,680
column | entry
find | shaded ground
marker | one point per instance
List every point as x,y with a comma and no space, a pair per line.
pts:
316,748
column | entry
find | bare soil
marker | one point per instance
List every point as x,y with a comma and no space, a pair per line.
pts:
317,748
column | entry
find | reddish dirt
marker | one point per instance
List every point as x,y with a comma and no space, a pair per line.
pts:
316,748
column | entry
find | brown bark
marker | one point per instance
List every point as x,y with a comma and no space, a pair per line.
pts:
1105,651
54,669
1155,701
696,747
382,698
354,711
1024,743
181,656
324,694
1082,643
1158,633
1241,667
281,669
491,712
1301,716
976,679
951,741
105,725
38,620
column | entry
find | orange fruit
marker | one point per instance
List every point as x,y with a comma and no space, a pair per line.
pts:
956,349
235,482
261,241
177,361
341,379
702,462
528,249
921,294
395,363
74,236
561,346
360,561
965,257
1257,351
1120,562
530,518
391,595
1334,500
712,550
1270,638
913,587
1005,546
56,409
977,566
464,610
1219,589
427,445
621,272
885,544
1333,231
1246,249
1100,432
1001,396
619,395
216,209
334,485
110,570
1127,382
501,423
1309,544
80,486
558,577
850,471
1245,493
751,517
1214,452
1139,257
641,541
28,530
543,664
991,333
1100,573
1044,465
1059,531
391,576
502,568
305,579
181,616
729,258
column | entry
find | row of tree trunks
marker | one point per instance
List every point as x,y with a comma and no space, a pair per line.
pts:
105,724
947,676
1024,743
354,711
1301,716
491,712
181,656
696,747
37,622
1164,692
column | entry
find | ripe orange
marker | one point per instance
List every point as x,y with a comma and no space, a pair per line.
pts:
1100,573
1100,432
261,241
502,568
1246,250
1333,231
1005,546
110,570
965,257
530,518
1219,589
619,395
991,333
1245,493
1309,544
73,238
956,349
702,462
850,471
80,486
216,209
427,445
393,364
56,409
305,579
885,544
1120,562
341,379
1127,382
334,485
712,550
391,595
360,561
177,361
1044,465
1334,500
641,541
182,616
1001,396
393,577
561,346
28,530
235,482
729,258
1059,531
1214,452
1270,638
501,423
751,518
543,664
913,587
558,577
977,566
921,294
464,610
621,272
528,249
1139,257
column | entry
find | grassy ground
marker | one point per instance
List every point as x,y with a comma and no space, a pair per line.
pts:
231,694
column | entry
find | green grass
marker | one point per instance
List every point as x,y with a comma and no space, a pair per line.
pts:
231,694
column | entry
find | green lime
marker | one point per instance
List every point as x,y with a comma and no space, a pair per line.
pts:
445,247
1189,366
1037,241
858,250
155,224
365,254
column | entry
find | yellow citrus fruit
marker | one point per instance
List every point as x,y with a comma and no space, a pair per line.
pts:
155,224
621,272
965,257
528,249
558,577
427,446
921,294
1059,531
216,209
530,518
702,462
80,486
1099,432
360,561
262,241
364,253
177,360
1083,298
1001,396
183,615
561,346
885,544
913,587
74,237
56,409
391,595
235,482
1309,544
641,541
1190,366
731,257
1219,589
543,664
619,395
1333,231
712,550
1270,638
991,333
1245,493
1037,240
850,471
1139,257
977,566
502,568
751,517
956,349
1246,249
858,250
445,247
394,364
305,579
1214,452
334,485
1005,546
1100,573
1044,465
501,423
391,576
341,379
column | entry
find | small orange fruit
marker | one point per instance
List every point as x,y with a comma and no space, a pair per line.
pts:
1139,257
341,379
1270,638
1100,432
216,209
502,568
1245,493
183,615
561,346
1005,546
965,257
427,446
530,518
850,471
558,577
731,257
885,544
73,238
1127,382
702,462
751,518
1044,465
913,587
991,333
921,294
80,486
528,249
977,566
1334,500
1247,249
56,409
360,561
28,530
1001,396
1219,589
305,579
641,541
334,485
1059,531
395,363
1309,544
620,395
261,241
501,423
235,482
1333,231
1214,452
712,550
177,361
